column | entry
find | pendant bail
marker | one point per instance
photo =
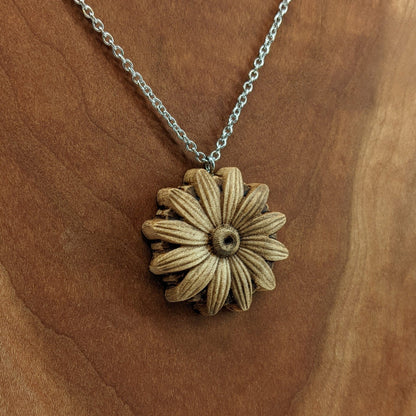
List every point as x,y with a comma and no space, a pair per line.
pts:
210,164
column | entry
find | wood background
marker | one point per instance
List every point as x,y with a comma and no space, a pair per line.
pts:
330,126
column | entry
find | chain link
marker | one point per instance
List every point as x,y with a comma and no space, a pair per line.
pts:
137,78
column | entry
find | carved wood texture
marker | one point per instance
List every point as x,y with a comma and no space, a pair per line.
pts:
330,127
214,240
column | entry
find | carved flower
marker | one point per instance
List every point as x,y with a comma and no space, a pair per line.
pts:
214,240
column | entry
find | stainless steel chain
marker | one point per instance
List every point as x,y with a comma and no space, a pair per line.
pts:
137,78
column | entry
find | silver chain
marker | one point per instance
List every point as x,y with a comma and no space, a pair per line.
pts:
137,78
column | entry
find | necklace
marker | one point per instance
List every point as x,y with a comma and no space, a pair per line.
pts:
213,238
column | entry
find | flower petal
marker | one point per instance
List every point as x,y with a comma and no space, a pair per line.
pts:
208,192
174,231
195,280
219,288
179,259
265,224
251,205
241,285
267,247
233,192
260,271
186,206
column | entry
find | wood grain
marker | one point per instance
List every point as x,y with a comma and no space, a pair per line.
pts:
330,126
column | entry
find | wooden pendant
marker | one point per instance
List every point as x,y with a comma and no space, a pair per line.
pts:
214,240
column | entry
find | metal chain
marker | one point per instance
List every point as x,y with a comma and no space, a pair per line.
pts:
137,78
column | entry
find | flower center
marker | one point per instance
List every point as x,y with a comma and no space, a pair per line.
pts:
225,241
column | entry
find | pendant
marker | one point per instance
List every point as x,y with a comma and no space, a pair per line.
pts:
214,240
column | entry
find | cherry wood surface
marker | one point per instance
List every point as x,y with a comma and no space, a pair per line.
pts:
330,126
